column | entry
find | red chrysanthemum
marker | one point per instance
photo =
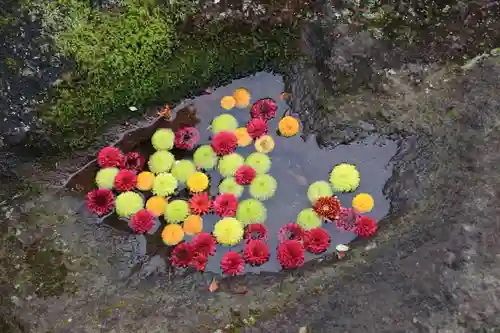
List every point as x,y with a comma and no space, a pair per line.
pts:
100,201
327,208
225,205
256,252
142,221
291,254
125,180
232,263
291,231
264,109
256,128
200,203
244,175
186,138
199,262
204,244
182,255
110,157
133,161
256,231
347,220
317,240
365,226
224,143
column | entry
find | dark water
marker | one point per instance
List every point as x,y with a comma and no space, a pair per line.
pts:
296,163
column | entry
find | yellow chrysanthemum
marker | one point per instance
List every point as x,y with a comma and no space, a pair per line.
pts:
156,205
264,144
244,139
197,182
363,203
241,97
228,231
344,178
172,234
227,102
288,126
193,225
145,181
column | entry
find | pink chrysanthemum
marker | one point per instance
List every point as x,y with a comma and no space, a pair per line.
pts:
224,143
291,231
199,262
256,128
256,231
200,203
182,255
256,252
142,221
327,208
317,240
204,244
291,254
264,109
100,201
125,180
110,157
232,263
365,226
133,161
244,175
186,138
225,205
347,220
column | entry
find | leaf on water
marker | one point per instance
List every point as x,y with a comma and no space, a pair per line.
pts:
284,96
301,180
342,248
213,286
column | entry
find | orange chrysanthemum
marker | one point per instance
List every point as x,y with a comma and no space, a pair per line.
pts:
227,102
288,126
145,181
241,97
243,137
192,225
172,234
327,208
156,205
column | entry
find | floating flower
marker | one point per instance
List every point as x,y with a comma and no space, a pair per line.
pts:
317,240
224,123
105,178
317,190
290,254
200,203
204,157
182,255
264,109
182,169
327,208
100,201
156,205
172,234
365,227
347,220
109,157
224,143
291,231
242,137
242,98
251,211
204,243
164,184
232,263
142,221
344,178
227,102
288,126
308,219
133,161
125,180
192,225
186,138
229,164
256,252
229,185
199,262
163,139
363,203
256,231
264,144
228,231
176,211
244,175
128,203
260,162
161,161
263,187
145,181
225,205
257,128
197,182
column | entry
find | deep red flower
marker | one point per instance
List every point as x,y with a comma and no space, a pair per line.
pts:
291,231
204,244
244,175
327,208
100,201
264,109
256,231
224,143
317,240
182,255
257,128
142,221
125,180
200,203
232,263
347,220
225,205
291,254
186,138
199,262
110,157
365,226
256,252
133,161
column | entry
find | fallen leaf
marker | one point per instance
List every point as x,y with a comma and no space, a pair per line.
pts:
301,180
284,96
132,108
340,255
240,292
213,286
209,90
342,248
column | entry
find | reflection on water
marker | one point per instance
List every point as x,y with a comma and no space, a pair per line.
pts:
296,163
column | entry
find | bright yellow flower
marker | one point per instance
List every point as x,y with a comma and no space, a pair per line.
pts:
363,203
227,102
243,137
197,182
264,144
288,126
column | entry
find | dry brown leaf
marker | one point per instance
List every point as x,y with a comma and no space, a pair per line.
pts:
213,286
